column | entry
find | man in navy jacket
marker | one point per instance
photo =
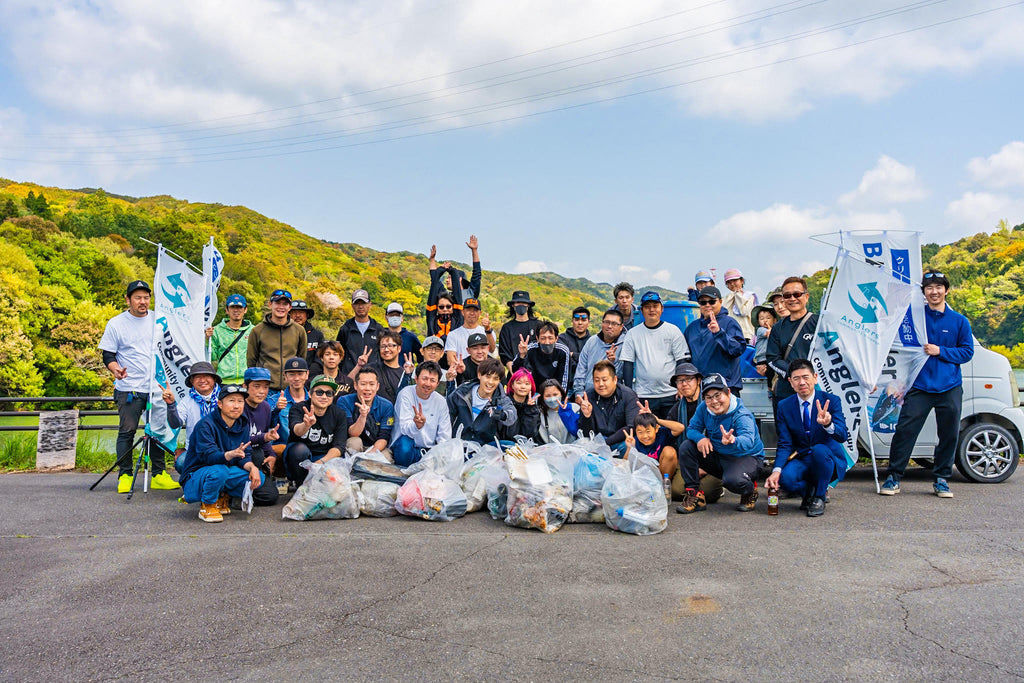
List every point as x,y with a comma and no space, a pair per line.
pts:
811,430
716,340
938,386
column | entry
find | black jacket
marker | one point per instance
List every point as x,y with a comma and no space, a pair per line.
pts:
354,343
527,423
314,339
484,427
612,415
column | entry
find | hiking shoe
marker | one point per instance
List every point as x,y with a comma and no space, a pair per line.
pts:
163,482
208,512
816,508
693,501
891,486
941,488
806,502
222,504
748,500
124,483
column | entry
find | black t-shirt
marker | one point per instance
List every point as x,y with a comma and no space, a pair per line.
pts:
508,337
329,431
778,340
390,379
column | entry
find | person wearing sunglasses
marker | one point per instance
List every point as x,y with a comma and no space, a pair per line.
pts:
790,338
716,340
275,340
318,429
576,336
938,387
444,300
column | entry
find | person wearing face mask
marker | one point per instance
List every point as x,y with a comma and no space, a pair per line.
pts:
444,304
522,322
523,392
559,419
546,358
480,407
410,342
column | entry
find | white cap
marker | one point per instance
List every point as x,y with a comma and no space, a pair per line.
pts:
395,307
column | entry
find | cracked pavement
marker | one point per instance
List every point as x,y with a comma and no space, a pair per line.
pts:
904,588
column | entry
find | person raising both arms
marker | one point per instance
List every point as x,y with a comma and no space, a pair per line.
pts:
445,300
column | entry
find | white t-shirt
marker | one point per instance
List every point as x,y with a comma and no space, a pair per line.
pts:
459,337
362,327
654,354
131,338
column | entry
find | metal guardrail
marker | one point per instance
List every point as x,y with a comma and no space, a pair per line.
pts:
57,399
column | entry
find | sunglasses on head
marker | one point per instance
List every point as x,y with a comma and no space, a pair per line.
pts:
322,392
792,295
929,276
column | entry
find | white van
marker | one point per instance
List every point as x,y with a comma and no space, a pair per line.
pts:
991,421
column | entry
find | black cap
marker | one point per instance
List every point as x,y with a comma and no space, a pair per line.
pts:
520,296
229,389
710,291
471,303
713,381
303,306
135,285
295,363
476,339
684,368
201,368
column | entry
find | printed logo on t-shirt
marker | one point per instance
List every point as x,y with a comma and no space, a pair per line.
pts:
315,434
390,422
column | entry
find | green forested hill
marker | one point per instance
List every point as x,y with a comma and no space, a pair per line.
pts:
65,256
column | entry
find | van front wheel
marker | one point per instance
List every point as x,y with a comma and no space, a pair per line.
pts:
987,453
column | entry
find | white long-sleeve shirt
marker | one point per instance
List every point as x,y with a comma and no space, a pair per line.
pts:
438,426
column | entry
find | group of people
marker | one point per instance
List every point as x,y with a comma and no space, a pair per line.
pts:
277,393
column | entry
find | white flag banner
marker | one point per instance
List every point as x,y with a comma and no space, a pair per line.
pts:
179,320
213,265
865,308
900,251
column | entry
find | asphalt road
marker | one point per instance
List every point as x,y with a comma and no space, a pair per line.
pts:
905,588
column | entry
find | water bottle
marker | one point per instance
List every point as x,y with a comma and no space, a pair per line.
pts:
668,488
773,502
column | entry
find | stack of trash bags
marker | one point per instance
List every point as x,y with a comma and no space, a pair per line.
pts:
529,486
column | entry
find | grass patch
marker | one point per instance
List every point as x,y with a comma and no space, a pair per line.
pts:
18,452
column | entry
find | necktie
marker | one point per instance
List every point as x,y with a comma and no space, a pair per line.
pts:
807,417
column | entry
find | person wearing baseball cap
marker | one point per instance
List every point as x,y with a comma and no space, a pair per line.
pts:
229,340
275,340
360,334
702,279
739,303
474,321
203,384
317,429
687,380
262,433
778,303
521,322
410,342
464,369
721,439
126,346
716,341
302,314
296,374
650,354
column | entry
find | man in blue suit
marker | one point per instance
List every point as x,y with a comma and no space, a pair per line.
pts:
811,430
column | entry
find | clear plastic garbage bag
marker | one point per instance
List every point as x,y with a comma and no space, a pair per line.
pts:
587,482
633,500
327,493
377,498
431,496
445,458
539,495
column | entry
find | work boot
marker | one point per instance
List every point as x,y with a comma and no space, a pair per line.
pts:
124,483
163,482
208,512
748,500
222,504
816,508
693,501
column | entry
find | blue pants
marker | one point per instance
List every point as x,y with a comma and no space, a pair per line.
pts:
405,451
810,472
206,484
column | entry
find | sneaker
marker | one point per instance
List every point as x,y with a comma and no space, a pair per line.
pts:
891,486
693,501
208,512
941,488
282,487
748,500
124,483
806,502
163,482
816,508
222,504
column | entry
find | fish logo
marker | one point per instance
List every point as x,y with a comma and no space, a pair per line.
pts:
869,311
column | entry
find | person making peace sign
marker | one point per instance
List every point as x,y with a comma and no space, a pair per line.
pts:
318,429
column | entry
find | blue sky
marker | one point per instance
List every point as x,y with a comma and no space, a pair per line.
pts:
918,131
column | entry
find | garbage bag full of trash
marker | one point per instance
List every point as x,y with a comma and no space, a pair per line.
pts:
327,493
377,498
587,482
539,495
431,496
634,500
474,484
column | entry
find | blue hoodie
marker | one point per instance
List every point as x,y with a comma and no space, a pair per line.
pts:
717,351
951,332
704,423
211,439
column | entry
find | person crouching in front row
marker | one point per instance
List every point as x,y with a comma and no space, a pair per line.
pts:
217,463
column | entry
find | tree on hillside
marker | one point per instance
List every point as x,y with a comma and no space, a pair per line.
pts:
37,205
8,210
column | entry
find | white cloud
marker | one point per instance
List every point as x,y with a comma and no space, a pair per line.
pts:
889,182
524,267
1002,169
982,211
778,223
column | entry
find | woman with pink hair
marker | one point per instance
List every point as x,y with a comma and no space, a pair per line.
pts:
523,392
